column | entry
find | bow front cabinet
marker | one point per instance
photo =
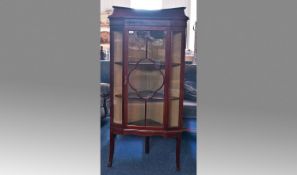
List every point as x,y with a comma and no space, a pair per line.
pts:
147,74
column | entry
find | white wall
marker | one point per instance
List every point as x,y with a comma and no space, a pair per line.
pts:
107,4
190,12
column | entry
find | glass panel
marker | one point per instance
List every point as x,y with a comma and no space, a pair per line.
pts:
155,113
176,47
135,112
175,79
118,45
174,113
117,86
146,63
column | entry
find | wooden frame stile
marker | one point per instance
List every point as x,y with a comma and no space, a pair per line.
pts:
125,83
181,96
123,78
111,136
167,79
111,73
182,78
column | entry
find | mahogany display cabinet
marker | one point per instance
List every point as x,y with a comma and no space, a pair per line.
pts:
147,74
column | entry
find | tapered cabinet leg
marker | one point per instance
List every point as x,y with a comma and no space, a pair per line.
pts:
111,149
147,144
178,145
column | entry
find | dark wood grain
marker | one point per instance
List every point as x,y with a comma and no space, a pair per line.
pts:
111,149
147,144
167,20
178,147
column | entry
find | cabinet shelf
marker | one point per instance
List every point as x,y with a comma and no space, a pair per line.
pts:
147,122
147,64
146,95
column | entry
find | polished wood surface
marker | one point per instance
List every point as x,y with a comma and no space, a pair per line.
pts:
147,74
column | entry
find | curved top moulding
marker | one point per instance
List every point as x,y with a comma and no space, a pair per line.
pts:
173,13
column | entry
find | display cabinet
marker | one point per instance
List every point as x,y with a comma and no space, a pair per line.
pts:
147,74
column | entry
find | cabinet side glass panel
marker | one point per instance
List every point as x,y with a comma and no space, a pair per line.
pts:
117,76
175,79
146,63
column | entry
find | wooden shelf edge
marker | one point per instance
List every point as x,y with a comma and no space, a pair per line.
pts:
147,64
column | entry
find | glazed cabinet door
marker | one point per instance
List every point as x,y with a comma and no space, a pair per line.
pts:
145,78
117,76
176,78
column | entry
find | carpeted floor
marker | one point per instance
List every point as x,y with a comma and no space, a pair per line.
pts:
130,159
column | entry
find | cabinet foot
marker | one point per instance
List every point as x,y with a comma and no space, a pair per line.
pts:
111,149
178,144
147,144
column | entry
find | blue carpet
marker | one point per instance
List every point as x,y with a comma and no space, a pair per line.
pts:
130,159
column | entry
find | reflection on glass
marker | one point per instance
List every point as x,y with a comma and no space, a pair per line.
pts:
117,86
175,79
146,60
146,44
